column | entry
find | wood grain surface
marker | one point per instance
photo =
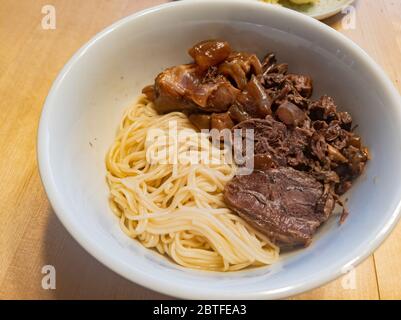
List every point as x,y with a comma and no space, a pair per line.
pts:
31,235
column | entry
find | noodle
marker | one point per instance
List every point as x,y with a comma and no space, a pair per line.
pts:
176,206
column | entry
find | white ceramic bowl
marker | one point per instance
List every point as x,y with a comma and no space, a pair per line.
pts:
85,105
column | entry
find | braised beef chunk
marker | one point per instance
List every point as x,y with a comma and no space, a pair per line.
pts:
239,66
210,53
285,204
221,121
254,99
183,88
290,114
323,109
303,84
200,120
262,161
238,113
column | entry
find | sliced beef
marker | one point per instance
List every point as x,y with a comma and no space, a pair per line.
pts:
284,204
287,92
285,146
262,161
238,113
317,149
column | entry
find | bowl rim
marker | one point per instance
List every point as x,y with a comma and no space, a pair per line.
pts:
164,285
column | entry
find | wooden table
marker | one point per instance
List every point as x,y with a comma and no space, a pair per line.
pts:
30,234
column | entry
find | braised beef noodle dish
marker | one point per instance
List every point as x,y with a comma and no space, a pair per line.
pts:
225,161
